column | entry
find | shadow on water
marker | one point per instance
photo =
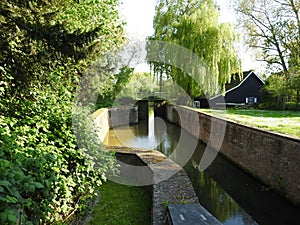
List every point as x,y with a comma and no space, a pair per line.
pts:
230,194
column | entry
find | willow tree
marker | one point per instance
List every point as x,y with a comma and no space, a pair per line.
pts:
194,24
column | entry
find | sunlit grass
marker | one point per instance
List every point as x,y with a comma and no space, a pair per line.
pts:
122,204
284,122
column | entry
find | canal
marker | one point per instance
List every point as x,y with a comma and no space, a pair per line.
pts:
230,194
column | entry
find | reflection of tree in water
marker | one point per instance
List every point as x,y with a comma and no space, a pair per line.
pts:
213,197
170,140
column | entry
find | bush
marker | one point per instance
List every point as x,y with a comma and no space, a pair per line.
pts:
292,106
44,176
45,47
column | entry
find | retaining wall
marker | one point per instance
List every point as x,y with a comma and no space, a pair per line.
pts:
101,119
106,119
272,158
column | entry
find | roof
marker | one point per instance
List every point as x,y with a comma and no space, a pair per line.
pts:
246,75
236,79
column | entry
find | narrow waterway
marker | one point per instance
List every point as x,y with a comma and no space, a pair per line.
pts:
230,194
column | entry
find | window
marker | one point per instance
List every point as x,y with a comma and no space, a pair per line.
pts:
251,100
196,104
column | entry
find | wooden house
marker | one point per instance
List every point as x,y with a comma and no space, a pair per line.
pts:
243,91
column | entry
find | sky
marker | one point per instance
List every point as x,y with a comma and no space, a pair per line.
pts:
139,14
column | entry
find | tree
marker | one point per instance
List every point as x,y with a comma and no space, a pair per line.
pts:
194,25
45,48
273,27
140,85
38,37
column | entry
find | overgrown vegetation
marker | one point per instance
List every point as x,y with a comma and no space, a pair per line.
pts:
281,92
45,47
121,204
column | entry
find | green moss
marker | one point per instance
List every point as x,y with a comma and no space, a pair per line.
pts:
122,204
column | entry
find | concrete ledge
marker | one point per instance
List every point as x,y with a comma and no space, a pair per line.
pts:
171,184
190,214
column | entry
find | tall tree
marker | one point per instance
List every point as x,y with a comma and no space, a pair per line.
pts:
38,37
273,27
194,24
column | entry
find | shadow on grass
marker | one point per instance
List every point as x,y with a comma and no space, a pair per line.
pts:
122,204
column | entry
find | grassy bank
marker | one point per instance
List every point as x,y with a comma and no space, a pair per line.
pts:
121,204
284,122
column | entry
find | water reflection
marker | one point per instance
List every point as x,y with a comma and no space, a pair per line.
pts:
213,196
223,189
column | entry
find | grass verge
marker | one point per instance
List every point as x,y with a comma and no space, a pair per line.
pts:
284,122
122,205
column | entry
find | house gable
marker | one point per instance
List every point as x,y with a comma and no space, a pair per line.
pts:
248,88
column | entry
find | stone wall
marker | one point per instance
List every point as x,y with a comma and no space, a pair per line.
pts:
106,119
123,116
272,158
101,119
143,109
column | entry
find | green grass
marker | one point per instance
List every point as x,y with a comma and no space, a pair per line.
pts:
122,205
284,122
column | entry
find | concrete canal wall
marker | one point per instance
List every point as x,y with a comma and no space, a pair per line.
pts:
105,118
272,158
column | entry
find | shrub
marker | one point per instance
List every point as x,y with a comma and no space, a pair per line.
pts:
44,176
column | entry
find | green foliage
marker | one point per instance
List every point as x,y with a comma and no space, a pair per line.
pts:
43,172
121,79
45,47
272,28
139,85
40,37
274,92
194,24
113,86
279,89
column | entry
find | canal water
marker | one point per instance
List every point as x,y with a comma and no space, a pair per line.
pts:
230,194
